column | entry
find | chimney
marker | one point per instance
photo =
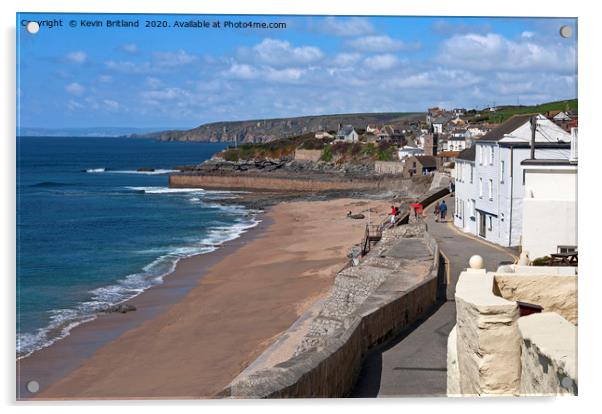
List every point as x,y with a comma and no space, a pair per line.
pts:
533,128
573,157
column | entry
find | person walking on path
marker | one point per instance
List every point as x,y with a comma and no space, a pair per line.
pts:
443,210
437,211
393,214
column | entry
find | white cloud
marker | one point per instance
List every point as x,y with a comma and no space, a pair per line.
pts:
284,75
382,62
177,58
111,105
75,88
495,52
131,48
152,82
381,43
527,35
242,71
105,78
354,26
78,57
282,53
346,59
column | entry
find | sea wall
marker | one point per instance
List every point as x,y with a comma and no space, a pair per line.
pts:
307,155
368,305
309,184
388,167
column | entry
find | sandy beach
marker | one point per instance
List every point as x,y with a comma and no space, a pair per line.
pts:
237,305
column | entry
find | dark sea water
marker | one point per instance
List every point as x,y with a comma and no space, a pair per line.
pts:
91,231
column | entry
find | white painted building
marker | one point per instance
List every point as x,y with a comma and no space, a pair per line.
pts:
549,215
465,199
408,151
348,134
494,198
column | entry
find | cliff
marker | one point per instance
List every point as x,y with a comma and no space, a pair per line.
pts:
265,130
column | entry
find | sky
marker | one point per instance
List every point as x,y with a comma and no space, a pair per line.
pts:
177,77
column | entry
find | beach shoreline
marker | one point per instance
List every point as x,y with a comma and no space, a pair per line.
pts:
49,364
281,253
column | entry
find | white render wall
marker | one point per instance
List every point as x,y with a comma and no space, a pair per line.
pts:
511,208
465,191
549,215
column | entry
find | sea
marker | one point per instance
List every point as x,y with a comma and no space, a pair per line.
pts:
92,231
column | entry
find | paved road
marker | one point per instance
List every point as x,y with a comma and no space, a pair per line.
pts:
414,363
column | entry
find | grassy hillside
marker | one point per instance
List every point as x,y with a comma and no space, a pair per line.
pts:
339,152
504,112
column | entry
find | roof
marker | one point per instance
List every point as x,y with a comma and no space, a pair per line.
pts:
448,154
346,130
426,160
467,154
506,127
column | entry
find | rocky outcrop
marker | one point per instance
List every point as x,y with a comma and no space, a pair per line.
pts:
265,130
121,308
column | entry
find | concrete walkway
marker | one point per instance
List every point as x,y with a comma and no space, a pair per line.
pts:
414,363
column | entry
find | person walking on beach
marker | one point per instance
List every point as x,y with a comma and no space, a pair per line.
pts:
437,211
443,210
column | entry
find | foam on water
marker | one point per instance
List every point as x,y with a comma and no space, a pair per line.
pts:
62,321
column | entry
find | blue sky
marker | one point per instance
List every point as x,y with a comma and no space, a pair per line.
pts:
181,78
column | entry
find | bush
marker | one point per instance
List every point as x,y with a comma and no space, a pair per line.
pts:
326,153
541,261
231,155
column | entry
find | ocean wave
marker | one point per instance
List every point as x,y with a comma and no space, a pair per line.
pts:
157,171
154,172
165,190
62,321
49,184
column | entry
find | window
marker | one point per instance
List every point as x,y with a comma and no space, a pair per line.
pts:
472,208
502,172
490,227
471,172
480,188
491,155
480,155
490,189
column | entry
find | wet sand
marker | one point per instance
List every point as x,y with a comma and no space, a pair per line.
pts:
214,315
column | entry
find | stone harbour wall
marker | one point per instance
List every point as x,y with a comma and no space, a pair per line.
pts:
388,167
308,155
368,305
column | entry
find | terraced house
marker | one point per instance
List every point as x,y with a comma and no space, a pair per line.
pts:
490,181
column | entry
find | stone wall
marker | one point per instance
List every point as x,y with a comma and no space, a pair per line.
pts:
493,351
255,182
369,304
388,167
308,155
548,355
487,338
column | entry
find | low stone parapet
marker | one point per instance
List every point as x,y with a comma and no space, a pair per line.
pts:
368,304
494,351
548,355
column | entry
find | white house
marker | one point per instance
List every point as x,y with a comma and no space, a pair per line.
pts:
348,134
409,150
494,200
550,215
465,197
323,134
562,116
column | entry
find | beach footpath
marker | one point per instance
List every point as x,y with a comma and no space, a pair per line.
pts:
241,304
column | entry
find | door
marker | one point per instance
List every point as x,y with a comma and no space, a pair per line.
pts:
482,225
